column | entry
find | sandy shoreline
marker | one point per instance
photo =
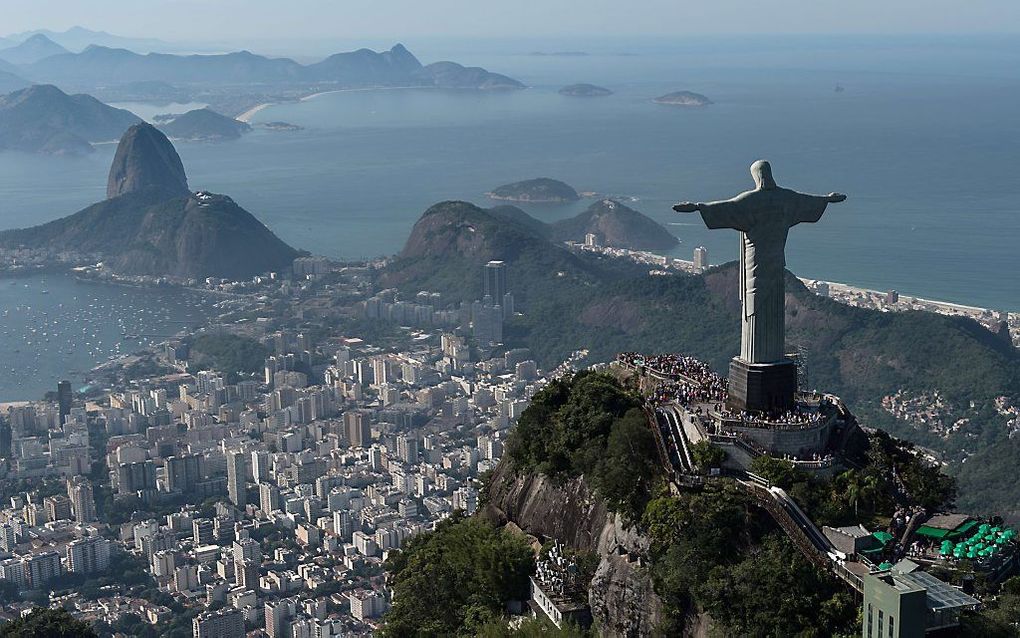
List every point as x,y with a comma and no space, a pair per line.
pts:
250,113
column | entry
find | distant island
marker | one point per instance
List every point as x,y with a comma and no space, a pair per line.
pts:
683,98
539,190
44,119
204,125
585,90
281,126
231,83
560,54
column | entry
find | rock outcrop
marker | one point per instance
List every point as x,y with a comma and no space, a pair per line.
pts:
622,598
152,225
146,159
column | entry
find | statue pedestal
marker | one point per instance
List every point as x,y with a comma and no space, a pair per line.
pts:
758,387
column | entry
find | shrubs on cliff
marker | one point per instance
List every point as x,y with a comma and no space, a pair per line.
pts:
1000,616
456,579
714,551
892,475
589,425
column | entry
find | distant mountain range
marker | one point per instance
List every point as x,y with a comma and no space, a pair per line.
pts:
77,38
10,82
44,119
151,224
98,65
7,67
31,50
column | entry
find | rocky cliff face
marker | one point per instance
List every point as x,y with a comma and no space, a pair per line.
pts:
621,595
146,159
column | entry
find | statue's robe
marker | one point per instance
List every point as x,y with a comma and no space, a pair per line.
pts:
764,218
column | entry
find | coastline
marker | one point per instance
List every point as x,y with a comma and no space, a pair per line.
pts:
250,113
847,294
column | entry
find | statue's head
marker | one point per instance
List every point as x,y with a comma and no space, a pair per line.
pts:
761,171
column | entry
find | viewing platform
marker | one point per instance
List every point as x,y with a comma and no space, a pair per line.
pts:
692,399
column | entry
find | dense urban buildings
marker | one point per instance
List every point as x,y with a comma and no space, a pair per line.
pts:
273,495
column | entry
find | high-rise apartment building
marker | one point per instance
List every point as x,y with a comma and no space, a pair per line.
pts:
495,281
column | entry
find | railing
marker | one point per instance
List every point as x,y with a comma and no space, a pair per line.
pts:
677,432
805,536
653,422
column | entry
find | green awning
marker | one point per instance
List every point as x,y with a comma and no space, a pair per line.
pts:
931,532
964,529
883,537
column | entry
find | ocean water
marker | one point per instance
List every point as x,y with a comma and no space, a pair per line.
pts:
924,139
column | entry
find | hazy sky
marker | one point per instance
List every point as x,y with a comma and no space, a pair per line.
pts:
234,20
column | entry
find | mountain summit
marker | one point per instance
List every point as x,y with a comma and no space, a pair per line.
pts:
151,224
616,225
145,158
44,119
32,50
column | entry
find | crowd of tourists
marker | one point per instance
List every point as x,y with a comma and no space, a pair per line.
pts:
692,383
689,394
671,365
796,417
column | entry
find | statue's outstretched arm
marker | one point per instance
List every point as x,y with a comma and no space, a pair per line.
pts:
812,207
728,213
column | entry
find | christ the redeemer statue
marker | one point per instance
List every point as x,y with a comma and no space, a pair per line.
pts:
764,217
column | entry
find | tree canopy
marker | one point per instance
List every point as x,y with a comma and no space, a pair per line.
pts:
47,623
591,426
456,579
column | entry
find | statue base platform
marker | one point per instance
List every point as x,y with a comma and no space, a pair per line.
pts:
762,387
